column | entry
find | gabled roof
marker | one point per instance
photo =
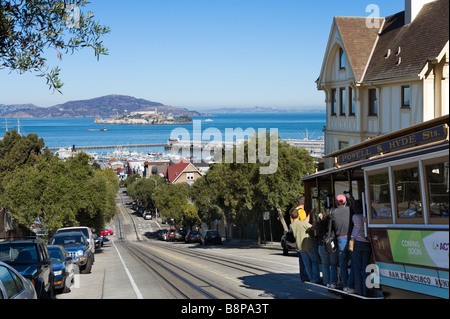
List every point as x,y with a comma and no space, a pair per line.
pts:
358,40
175,171
419,42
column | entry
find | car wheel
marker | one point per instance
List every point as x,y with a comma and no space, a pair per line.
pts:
88,267
285,250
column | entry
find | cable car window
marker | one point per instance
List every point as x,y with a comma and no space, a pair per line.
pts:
438,189
380,198
408,193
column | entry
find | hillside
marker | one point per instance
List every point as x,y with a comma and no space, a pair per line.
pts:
104,106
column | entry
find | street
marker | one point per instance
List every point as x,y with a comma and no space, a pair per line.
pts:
134,264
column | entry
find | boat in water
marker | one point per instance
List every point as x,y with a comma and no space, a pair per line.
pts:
97,129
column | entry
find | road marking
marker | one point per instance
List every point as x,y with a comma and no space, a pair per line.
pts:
133,284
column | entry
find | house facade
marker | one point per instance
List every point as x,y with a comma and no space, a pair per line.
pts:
183,172
381,75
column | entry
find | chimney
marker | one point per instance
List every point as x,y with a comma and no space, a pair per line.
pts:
412,9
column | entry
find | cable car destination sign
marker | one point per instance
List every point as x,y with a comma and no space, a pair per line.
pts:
430,135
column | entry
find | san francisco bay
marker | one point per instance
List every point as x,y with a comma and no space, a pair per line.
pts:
66,132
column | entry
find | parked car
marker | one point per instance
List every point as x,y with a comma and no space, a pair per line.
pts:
179,235
193,236
63,268
160,233
83,229
106,232
147,215
170,234
211,236
286,245
31,259
98,240
78,248
13,285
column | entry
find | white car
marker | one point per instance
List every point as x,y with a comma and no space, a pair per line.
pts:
13,285
83,229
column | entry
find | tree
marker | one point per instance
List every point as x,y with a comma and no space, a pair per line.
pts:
171,200
30,27
278,192
243,194
38,186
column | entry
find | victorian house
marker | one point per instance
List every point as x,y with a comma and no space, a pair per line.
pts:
381,75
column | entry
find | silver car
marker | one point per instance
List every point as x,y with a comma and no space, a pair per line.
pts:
13,285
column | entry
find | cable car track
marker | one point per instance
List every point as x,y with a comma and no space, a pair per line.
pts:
180,282
186,284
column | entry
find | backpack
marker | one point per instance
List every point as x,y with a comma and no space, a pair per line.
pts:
290,237
329,239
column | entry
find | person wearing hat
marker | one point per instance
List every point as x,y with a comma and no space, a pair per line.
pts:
342,225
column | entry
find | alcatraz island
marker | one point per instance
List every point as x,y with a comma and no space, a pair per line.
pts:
145,118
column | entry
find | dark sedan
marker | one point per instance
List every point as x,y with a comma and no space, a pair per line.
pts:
211,236
31,258
193,236
63,268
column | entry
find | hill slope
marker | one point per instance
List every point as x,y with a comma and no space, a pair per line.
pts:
104,106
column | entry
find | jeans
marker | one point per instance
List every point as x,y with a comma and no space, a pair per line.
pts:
303,274
360,260
311,262
329,266
344,256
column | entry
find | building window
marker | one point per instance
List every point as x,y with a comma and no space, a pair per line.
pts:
380,198
333,102
351,101
342,100
407,193
190,176
341,59
373,103
342,145
437,177
406,104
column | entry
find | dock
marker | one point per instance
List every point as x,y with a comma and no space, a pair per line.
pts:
110,146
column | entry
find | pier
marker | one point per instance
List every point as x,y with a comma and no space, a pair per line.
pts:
315,147
109,146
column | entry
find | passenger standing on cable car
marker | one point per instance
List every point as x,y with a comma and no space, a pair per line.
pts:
302,230
342,225
361,251
329,260
301,216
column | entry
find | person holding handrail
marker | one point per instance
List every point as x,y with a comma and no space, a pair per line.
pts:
361,250
342,225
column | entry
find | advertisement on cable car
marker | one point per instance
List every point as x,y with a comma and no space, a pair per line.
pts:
414,260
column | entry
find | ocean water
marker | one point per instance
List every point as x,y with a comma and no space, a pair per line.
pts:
66,132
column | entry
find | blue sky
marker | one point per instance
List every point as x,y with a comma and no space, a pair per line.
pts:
200,53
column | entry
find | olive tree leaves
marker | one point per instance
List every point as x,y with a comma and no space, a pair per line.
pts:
28,28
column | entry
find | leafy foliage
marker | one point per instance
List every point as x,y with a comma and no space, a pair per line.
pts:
29,27
37,185
236,192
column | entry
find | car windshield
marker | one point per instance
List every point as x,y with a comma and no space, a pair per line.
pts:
194,233
20,253
55,254
68,240
212,233
69,230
